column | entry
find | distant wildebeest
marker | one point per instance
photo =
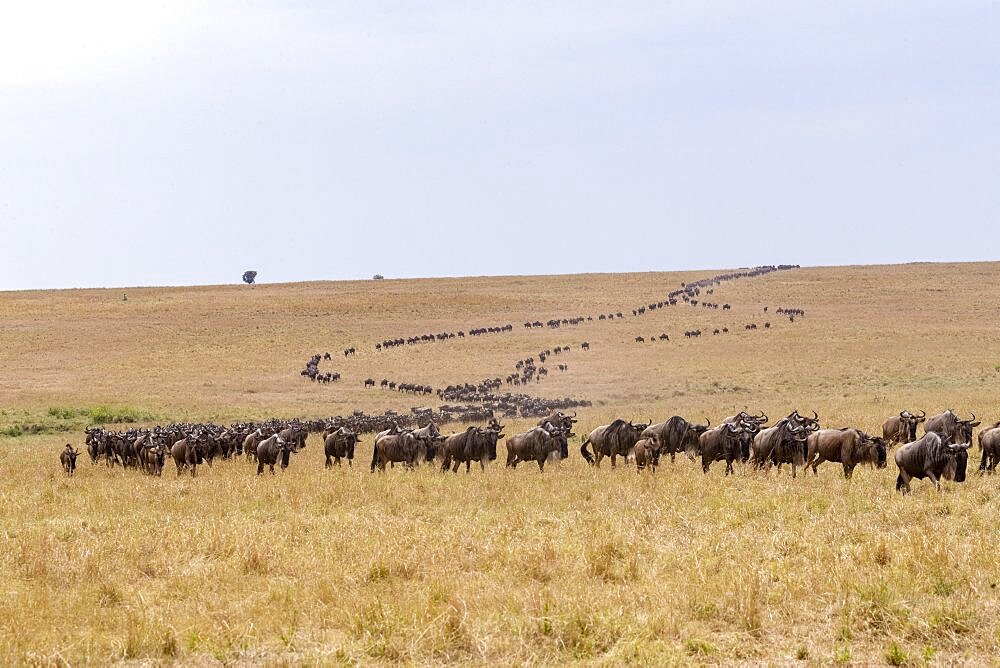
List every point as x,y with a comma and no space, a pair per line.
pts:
849,447
675,435
536,445
958,431
272,450
403,447
934,457
68,459
902,428
989,443
338,444
612,440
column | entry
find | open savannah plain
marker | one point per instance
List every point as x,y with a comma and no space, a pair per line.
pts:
572,565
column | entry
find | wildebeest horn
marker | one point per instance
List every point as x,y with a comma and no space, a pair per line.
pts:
923,414
708,423
815,416
904,414
762,416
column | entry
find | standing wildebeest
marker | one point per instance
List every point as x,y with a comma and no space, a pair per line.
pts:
722,443
989,443
675,435
534,445
250,443
474,444
429,438
931,457
850,447
647,453
68,459
271,450
958,431
403,447
902,428
785,442
339,443
151,459
185,454
612,440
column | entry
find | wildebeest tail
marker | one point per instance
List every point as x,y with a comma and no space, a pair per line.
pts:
586,454
374,455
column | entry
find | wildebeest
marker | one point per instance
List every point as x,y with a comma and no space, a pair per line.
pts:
534,445
403,447
989,442
958,431
474,444
272,450
785,442
250,443
612,440
338,444
647,454
849,447
185,454
675,435
151,459
722,443
902,428
68,459
931,457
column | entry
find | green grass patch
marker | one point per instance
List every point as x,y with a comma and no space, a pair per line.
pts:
61,419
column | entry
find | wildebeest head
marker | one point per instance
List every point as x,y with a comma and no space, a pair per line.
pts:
910,422
879,447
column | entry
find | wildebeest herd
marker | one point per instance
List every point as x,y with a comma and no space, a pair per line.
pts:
743,438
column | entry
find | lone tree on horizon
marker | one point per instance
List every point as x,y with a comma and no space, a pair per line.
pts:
249,276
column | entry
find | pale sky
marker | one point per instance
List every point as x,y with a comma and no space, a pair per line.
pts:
151,143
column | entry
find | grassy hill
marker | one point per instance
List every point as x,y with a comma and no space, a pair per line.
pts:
575,564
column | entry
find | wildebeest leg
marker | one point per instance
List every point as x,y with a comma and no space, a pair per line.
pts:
541,464
260,466
613,456
934,479
482,463
848,471
468,465
328,462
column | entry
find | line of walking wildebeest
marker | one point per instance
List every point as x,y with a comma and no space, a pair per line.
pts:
797,440
688,293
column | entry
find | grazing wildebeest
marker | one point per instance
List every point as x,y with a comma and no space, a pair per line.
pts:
185,454
534,445
272,450
403,447
722,443
902,428
675,435
338,444
849,447
931,457
474,444
612,440
647,454
785,442
989,443
68,459
958,431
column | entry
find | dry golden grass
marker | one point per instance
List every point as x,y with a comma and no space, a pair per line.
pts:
573,565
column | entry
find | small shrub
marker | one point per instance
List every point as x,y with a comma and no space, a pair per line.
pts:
895,656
